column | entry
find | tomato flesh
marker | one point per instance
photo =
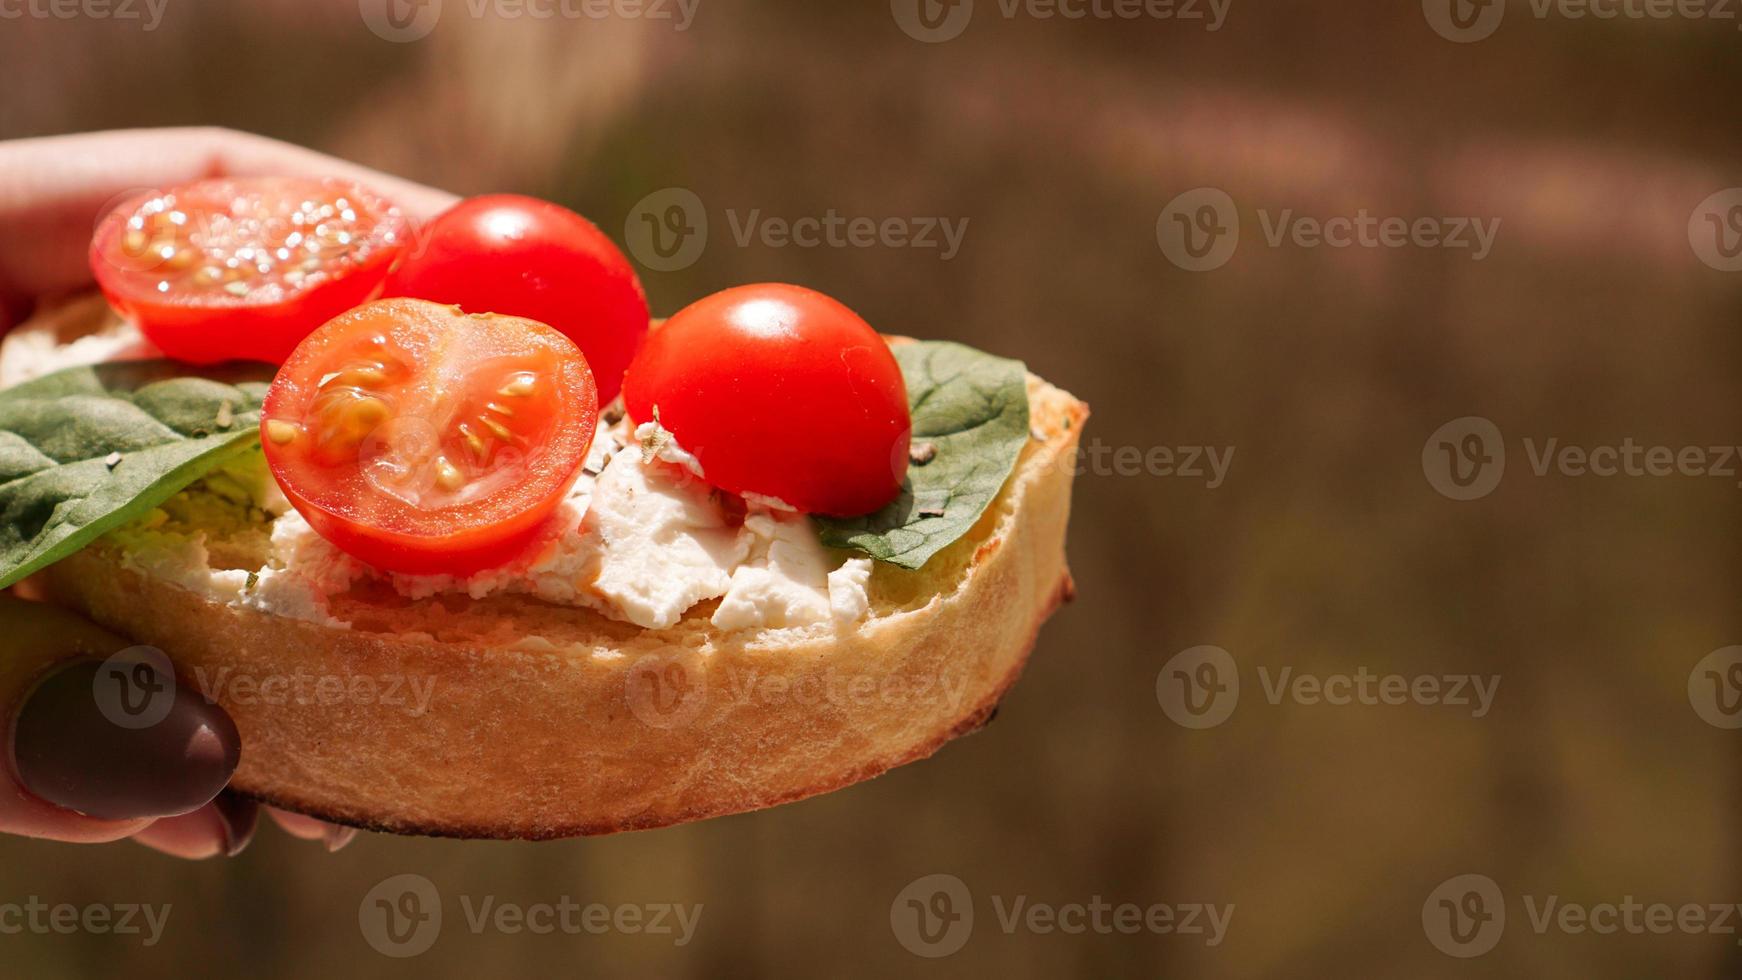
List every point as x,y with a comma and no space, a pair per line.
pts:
244,268
504,253
421,439
781,391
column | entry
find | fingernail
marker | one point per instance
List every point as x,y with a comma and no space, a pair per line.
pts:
119,739
337,837
241,817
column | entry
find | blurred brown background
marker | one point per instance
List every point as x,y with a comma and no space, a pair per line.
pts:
1325,550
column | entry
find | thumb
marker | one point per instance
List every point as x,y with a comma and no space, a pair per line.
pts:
99,739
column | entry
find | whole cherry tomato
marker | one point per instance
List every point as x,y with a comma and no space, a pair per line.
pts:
781,391
503,253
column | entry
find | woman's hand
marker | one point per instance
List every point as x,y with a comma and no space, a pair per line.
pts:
101,746
78,765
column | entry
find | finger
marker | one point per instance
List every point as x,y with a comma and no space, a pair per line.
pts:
54,190
296,825
81,767
224,826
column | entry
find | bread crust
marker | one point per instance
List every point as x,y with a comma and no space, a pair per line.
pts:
534,740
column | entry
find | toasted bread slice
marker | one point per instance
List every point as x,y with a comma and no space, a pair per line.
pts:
509,717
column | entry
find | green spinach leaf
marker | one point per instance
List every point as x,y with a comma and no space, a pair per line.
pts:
970,421
87,449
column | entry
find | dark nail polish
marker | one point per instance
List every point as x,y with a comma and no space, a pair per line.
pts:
241,816
337,837
119,739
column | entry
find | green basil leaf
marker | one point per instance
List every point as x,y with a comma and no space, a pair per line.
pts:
87,449
971,409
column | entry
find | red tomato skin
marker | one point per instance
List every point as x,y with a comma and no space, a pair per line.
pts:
520,256
337,502
261,333
781,391
208,329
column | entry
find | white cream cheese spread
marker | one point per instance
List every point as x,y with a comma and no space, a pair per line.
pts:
641,538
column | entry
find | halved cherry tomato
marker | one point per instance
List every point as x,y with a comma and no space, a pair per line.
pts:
244,268
780,391
503,253
421,439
